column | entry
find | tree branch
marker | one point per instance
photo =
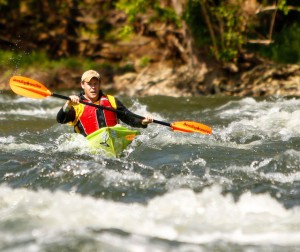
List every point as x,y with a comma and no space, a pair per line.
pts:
209,26
260,41
274,8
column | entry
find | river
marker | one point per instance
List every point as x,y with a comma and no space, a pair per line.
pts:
235,190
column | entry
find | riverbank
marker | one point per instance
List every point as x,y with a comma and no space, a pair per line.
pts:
261,80
264,79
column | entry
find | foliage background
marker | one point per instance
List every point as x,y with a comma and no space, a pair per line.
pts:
128,35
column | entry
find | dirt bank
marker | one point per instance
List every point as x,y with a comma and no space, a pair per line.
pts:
159,79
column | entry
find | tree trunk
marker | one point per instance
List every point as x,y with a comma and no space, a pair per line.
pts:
188,39
72,24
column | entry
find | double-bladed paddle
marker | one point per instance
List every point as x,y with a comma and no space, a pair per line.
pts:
33,89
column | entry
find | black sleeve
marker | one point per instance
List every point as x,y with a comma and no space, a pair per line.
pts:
128,117
65,117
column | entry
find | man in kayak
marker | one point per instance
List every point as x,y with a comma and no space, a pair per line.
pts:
87,119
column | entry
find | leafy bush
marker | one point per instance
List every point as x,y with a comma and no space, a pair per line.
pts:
286,46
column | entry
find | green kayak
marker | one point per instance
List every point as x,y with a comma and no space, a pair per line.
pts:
112,140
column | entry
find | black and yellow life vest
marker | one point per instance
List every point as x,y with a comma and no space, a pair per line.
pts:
89,119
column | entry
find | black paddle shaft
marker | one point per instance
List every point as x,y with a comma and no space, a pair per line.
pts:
110,109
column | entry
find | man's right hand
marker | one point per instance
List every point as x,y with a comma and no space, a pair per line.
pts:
74,100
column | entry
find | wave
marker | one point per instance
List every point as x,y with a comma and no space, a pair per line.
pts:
182,216
250,120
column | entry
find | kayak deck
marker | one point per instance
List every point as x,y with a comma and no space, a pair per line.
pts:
111,140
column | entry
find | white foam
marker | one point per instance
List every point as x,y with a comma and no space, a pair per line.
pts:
36,112
181,215
288,160
21,146
6,140
279,177
72,142
275,120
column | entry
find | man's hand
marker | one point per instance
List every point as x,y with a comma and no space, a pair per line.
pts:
74,100
148,119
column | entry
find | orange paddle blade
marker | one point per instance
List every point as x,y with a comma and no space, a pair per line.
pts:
190,126
28,87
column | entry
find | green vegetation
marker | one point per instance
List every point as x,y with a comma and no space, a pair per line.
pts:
224,27
76,33
144,61
152,10
196,24
286,46
134,7
40,60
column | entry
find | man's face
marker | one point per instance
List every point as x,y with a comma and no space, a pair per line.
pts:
91,89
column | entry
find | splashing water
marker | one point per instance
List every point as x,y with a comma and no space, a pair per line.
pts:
237,189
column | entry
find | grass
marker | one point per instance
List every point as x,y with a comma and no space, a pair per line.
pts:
40,61
9,59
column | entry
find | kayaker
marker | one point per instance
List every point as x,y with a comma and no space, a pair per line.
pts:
87,119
